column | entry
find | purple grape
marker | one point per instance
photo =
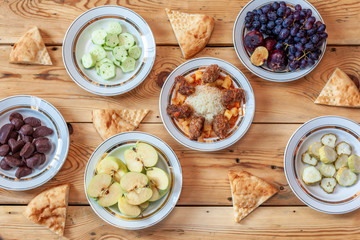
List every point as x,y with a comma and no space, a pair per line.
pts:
298,7
298,54
291,57
268,32
270,25
271,16
324,35
248,25
263,29
298,25
256,24
292,50
301,21
294,30
311,19
301,33
248,19
321,28
288,11
303,63
297,15
259,11
254,12
284,33
250,14
309,46
293,66
318,24
287,22
308,25
299,46
297,39
279,21
308,12
282,4
275,6
314,55
310,62
311,32
279,45
263,18
303,40
256,18
277,29
266,8
289,40
303,14
315,38
281,11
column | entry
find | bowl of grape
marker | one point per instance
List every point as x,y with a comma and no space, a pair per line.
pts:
280,41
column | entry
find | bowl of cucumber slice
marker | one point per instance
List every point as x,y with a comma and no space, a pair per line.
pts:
109,50
322,164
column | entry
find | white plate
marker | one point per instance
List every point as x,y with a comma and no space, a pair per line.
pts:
239,79
168,161
77,42
30,106
264,72
343,199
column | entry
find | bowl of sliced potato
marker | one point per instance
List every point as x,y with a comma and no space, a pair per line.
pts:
133,180
322,164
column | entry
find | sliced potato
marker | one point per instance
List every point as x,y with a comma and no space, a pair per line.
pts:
341,161
327,170
345,177
343,148
327,154
314,149
307,158
329,140
354,163
311,175
328,184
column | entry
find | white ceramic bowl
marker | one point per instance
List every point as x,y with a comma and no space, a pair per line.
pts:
168,161
241,126
30,106
77,42
343,199
264,72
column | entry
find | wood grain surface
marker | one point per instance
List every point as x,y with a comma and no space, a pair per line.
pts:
193,223
54,17
291,102
205,180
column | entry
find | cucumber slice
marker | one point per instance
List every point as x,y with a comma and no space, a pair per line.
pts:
98,36
127,40
314,149
307,158
343,148
135,52
327,170
98,52
328,184
88,60
107,48
354,163
341,161
117,63
327,154
329,140
111,40
345,177
114,28
311,175
107,71
120,53
98,64
128,65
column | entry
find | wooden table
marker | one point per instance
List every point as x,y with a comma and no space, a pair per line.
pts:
204,210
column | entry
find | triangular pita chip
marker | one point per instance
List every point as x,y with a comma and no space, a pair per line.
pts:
192,31
30,49
340,90
109,122
49,208
248,192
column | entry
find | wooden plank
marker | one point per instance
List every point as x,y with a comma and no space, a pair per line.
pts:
193,223
340,17
275,102
203,173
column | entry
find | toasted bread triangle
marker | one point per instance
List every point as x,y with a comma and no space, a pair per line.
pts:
248,192
30,49
49,208
192,31
340,90
109,122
